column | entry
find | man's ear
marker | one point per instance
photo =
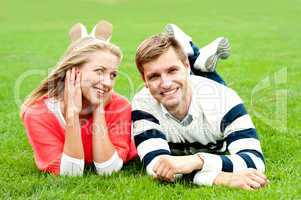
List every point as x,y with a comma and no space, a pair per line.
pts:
77,31
145,84
102,30
187,65
143,78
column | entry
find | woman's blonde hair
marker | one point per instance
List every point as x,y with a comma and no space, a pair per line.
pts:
76,55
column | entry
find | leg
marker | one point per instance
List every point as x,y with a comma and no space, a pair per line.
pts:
204,63
210,75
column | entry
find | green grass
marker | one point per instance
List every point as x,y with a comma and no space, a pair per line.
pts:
265,38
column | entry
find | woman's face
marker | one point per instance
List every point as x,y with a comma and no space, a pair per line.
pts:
98,76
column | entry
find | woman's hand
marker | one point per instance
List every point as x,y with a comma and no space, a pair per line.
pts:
72,93
73,146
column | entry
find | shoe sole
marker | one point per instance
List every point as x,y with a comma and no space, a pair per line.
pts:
172,29
222,52
169,30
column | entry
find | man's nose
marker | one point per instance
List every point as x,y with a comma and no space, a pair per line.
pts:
165,82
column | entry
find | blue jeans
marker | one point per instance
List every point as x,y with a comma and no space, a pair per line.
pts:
210,75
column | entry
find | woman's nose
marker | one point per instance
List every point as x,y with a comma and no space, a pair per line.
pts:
107,81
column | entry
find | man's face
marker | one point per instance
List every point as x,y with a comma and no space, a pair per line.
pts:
166,78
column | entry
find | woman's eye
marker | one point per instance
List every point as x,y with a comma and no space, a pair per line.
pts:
113,75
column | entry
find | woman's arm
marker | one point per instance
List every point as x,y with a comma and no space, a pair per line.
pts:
72,161
105,157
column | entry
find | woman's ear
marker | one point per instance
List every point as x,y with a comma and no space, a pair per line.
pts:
102,30
77,31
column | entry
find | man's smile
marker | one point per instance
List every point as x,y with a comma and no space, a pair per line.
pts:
169,92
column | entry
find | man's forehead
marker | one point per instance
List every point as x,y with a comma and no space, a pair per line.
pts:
166,60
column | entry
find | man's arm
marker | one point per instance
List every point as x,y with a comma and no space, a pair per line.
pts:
149,139
245,159
242,143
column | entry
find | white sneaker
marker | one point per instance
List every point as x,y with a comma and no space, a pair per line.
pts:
209,54
102,30
184,39
77,31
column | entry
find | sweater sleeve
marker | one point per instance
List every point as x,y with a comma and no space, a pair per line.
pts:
149,138
242,144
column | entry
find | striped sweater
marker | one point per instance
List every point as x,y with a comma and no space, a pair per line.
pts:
217,124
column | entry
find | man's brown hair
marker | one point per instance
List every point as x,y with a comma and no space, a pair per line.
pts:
153,47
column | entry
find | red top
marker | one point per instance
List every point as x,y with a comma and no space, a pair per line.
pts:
47,136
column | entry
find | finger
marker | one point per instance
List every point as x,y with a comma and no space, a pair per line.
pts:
67,77
171,176
72,76
247,187
78,80
159,170
164,174
156,166
259,180
258,173
253,184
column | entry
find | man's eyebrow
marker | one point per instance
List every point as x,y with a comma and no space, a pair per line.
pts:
152,74
172,66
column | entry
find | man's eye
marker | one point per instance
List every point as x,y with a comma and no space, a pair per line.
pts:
172,70
153,77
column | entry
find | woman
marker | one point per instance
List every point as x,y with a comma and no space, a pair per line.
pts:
74,118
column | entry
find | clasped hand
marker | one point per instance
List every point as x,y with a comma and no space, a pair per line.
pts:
168,166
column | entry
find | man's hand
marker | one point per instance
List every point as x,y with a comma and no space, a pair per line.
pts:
168,166
248,179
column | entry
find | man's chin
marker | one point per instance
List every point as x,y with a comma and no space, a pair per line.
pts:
171,105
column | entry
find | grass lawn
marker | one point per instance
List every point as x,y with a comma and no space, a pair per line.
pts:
264,69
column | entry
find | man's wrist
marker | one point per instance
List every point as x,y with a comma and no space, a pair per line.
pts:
222,178
199,161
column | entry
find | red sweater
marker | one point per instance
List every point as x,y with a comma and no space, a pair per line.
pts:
47,136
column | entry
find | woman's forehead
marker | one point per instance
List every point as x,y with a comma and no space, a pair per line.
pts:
103,59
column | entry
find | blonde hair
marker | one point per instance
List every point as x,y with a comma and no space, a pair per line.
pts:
153,47
75,56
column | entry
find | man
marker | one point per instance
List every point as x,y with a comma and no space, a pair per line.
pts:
185,124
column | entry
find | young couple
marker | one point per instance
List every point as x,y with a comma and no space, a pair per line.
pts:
185,120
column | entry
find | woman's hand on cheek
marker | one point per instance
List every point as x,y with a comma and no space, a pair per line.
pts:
72,93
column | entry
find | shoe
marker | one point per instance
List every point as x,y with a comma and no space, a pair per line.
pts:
103,30
77,31
184,39
211,53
